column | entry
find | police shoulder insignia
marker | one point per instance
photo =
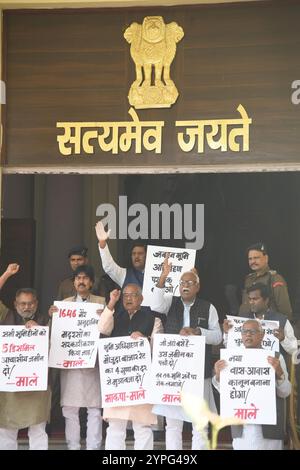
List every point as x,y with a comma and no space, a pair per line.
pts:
272,272
277,284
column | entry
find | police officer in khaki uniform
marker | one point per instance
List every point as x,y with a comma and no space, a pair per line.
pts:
259,263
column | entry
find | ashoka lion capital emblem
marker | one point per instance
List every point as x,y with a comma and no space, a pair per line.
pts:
153,48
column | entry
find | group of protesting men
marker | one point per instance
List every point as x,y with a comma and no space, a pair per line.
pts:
265,297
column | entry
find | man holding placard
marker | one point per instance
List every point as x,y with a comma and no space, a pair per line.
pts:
187,315
137,322
25,408
80,387
244,398
258,300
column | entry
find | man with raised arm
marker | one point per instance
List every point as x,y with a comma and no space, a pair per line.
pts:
187,315
11,270
122,276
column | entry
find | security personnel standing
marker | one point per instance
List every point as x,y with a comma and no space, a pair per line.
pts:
259,263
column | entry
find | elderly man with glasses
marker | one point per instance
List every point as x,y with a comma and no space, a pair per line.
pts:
29,409
187,315
260,436
137,322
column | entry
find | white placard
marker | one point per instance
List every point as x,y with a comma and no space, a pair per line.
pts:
124,371
23,358
247,386
270,341
182,260
177,366
74,335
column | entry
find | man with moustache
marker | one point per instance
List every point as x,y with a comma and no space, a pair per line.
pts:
30,409
187,315
123,276
77,257
259,263
138,322
80,388
259,299
257,436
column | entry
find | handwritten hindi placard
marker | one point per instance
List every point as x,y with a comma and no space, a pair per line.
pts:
247,386
235,337
177,366
182,260
23,358
74,335
124,371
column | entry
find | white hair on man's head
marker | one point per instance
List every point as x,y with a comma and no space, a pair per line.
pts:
194,274
196,277
136,286
257,322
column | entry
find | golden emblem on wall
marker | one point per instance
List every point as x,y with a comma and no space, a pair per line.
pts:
153,48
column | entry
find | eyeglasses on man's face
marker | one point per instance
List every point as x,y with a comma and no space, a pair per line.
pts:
26,304
249,331
182,282
127,295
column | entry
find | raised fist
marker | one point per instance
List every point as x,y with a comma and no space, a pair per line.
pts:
12,269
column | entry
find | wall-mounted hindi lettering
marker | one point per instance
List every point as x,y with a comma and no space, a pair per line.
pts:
110,137
199,104
216,132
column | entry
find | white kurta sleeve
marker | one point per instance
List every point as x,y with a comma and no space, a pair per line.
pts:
215,383
106,322
214,334
111,268
160,302
283,387
289,343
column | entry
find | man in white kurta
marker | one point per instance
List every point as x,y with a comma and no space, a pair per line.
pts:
80,388
185,317
252,435
135,321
